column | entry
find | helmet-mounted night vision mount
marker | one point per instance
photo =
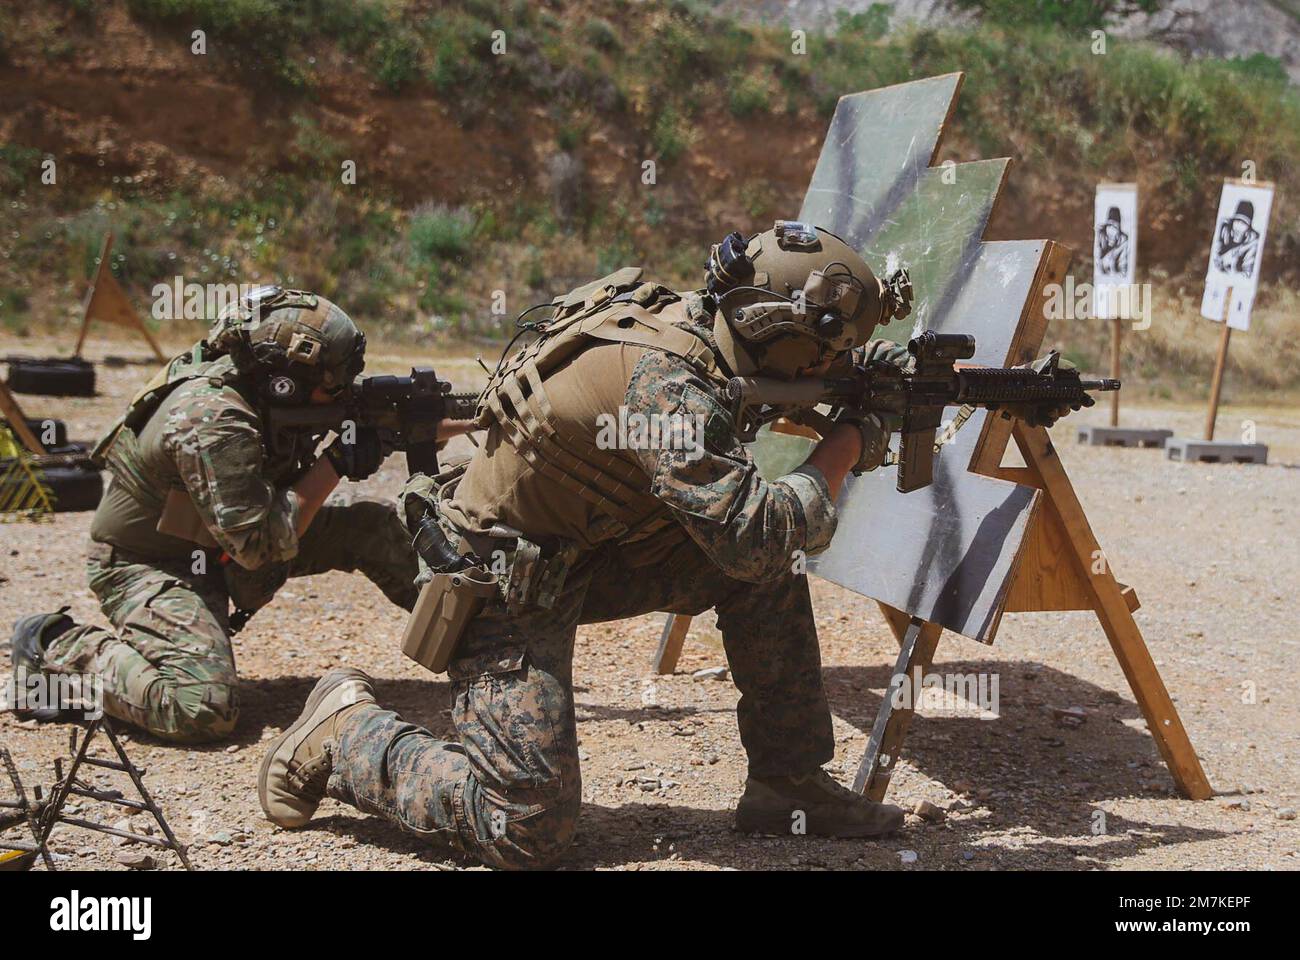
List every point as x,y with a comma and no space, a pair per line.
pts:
896,295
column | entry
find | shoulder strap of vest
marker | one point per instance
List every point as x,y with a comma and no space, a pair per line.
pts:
598,291
634,324
180,369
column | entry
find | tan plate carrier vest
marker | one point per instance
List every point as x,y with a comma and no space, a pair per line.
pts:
614,309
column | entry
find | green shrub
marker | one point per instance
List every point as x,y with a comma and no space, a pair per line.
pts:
567,139
397,61
459,48
270,35
1064,14
872,24
672,134
312,146
1260,67
601,34
14,300
437,232
19,166
614,256
747,93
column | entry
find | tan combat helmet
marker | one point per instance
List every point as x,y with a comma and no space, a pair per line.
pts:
794,296
290,342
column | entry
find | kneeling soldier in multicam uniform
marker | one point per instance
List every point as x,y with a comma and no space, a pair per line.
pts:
583,530
202,511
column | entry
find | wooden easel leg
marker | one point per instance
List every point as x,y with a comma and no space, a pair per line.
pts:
81,336
10,411
670,643
105,249
897,620
1116,619
916,653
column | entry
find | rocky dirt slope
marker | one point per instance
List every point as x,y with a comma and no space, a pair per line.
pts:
1200,27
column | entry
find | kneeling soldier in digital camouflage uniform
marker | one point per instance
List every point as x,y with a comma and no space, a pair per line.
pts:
201,511
593,531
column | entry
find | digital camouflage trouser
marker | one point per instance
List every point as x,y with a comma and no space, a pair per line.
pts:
508,792
170,667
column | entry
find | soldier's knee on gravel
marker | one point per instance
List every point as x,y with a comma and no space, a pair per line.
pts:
199,712
522,831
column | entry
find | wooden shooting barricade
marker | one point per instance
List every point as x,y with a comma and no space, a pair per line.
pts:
984,539
106,300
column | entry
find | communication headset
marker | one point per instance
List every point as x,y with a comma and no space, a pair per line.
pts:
825,308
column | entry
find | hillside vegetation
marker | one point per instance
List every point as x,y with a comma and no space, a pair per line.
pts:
521,170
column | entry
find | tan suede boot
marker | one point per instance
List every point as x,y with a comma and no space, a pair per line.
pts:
813,805
291,782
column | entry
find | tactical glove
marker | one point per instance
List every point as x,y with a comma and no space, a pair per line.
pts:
885,350
875,438
1045,414
359,459
251,590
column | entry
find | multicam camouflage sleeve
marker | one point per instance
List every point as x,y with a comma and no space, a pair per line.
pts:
218,451
749,527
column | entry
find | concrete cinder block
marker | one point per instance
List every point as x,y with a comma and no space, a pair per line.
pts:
1123,436
1215,451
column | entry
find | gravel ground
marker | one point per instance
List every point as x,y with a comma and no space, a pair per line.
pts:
1211,550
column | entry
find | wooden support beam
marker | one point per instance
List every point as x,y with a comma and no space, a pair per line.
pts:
18,421
670,643
1216,384
1115,336
897,620
1112,608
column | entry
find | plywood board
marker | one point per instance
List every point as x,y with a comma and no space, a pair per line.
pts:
947,554
879,144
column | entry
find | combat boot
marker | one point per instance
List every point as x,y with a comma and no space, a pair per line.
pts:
32,635
815,805
291,782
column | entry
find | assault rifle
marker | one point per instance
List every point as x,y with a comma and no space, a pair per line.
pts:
914,399
405,410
